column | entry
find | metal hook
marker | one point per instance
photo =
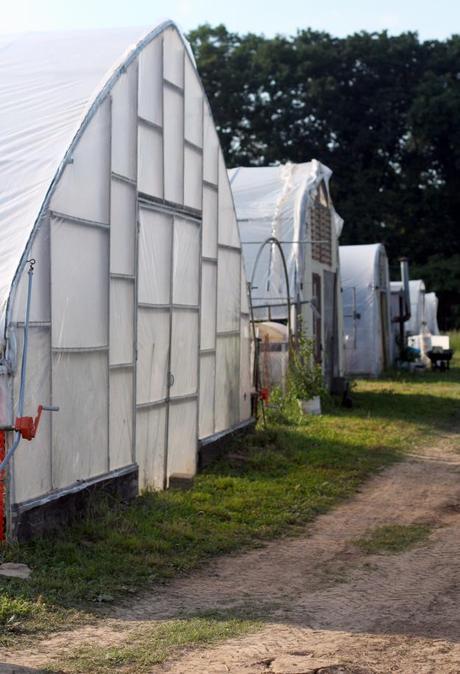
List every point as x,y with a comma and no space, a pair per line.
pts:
32,262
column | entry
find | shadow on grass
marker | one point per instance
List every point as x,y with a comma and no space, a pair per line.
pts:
427,376
272,484
428,399
438,413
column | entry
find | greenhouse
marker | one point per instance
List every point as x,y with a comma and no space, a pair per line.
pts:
416,325
289,208
121,273
366,296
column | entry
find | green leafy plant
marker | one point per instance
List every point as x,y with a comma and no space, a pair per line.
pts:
305,377
304,381
283,407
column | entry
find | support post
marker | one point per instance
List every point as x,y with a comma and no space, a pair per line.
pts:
401,327
2,487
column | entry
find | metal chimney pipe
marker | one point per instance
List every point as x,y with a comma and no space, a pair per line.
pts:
404,262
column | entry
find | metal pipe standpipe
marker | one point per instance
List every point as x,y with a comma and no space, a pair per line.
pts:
24,427
404,262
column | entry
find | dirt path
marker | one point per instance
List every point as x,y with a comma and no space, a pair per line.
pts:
325,603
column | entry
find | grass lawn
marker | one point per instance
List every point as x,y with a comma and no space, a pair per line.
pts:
278,480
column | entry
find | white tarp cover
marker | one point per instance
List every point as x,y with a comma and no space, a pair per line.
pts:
416,325
367,327
431,313
274,201
111,169
48,82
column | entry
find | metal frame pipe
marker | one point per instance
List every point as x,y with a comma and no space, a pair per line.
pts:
22,386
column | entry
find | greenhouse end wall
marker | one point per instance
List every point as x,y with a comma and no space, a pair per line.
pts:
140,323
369,339
292,203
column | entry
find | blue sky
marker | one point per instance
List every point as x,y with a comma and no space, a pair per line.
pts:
340,17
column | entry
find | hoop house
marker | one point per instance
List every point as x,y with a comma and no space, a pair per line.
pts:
417,324
366,306
292,203
114,181
431,313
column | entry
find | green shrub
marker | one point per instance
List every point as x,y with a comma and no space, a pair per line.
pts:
283,407
304,381
305,377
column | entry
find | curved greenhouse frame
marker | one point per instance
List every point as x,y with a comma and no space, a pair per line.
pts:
139,326
292,203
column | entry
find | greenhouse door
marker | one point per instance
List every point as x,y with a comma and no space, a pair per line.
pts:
167,345
183,368
330,355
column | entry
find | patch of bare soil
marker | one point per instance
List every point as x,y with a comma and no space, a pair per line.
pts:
328,607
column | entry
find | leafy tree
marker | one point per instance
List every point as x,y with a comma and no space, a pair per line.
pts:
382,111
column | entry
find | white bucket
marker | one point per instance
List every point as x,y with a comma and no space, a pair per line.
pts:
312,406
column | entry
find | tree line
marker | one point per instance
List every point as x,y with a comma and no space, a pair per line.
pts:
383,112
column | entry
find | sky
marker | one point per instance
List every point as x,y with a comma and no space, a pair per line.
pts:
430,18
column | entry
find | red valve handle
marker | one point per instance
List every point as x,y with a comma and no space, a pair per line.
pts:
28,426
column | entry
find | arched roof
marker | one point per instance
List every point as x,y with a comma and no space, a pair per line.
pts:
50,85
416,286
359,265
364,277
415,324
263,191
273,201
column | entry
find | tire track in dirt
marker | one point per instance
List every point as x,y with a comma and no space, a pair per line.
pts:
392,613
324,601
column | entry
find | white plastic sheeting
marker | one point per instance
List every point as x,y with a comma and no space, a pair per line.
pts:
282,202
431,313
417,324
48,82
366,308
275,201
113,179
